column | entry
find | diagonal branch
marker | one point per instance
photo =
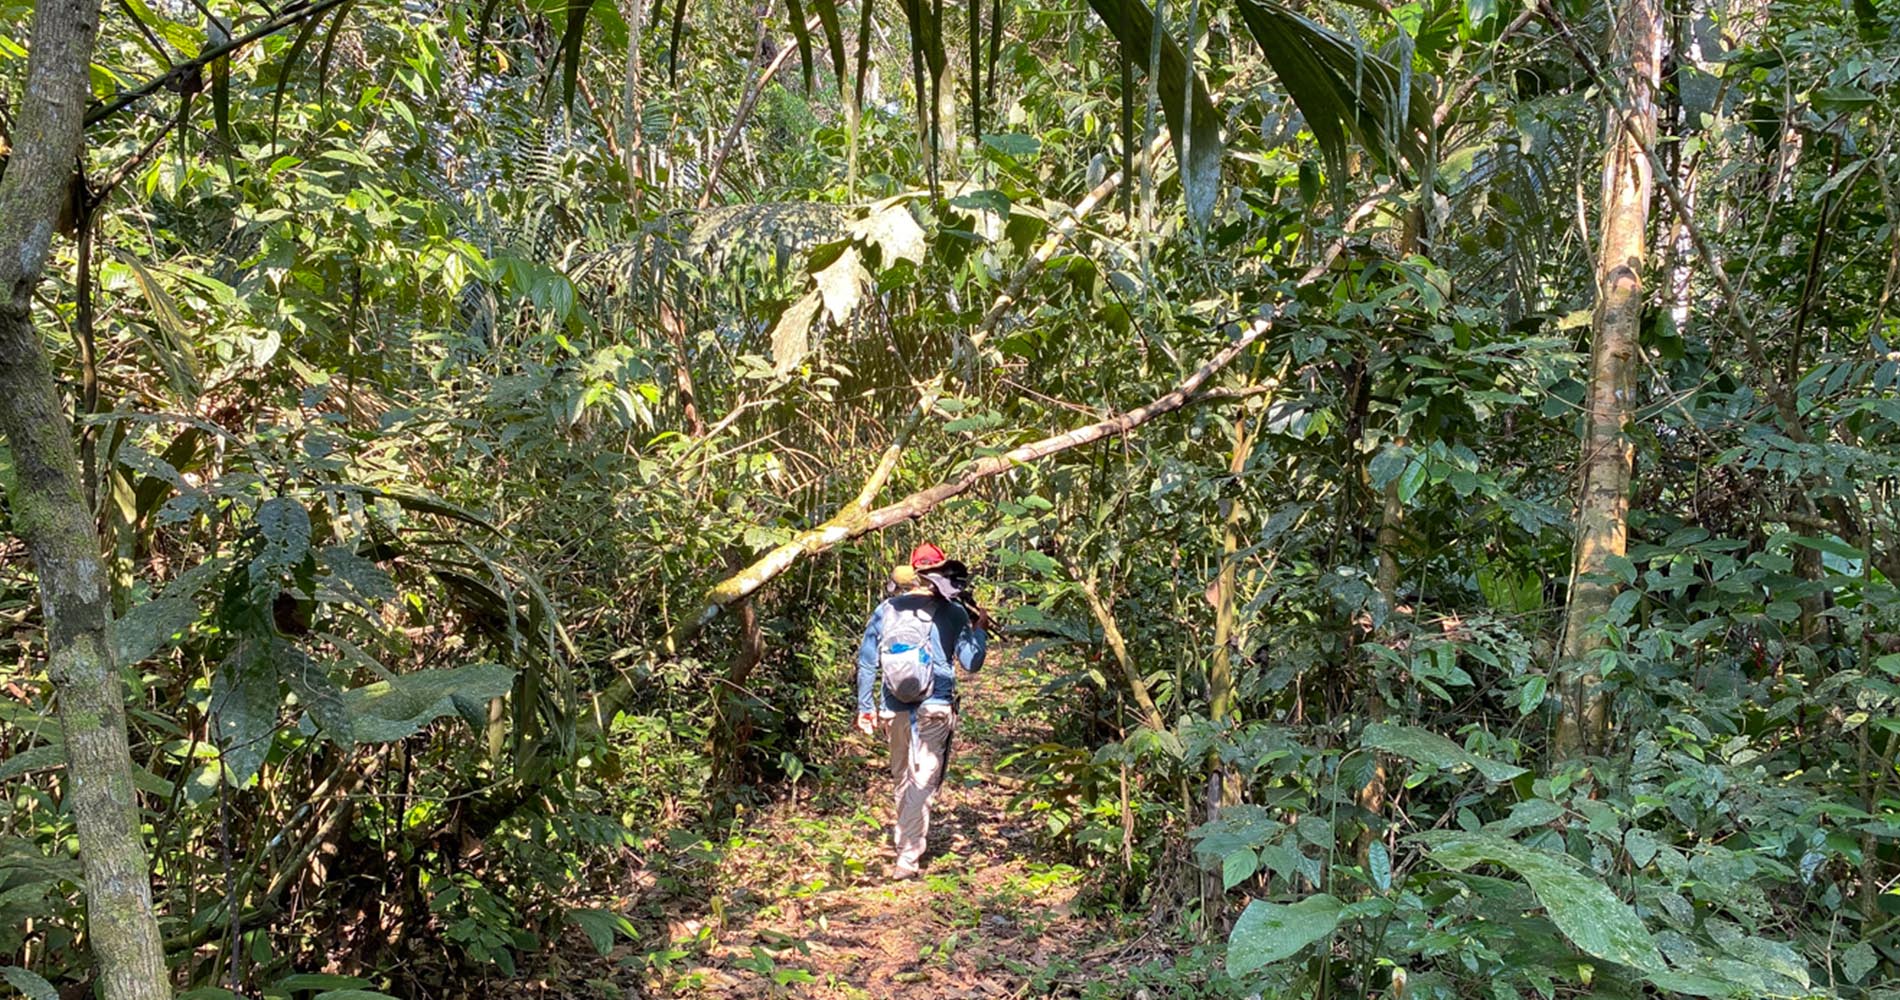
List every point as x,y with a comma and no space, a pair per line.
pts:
183,71
1112,634
854,522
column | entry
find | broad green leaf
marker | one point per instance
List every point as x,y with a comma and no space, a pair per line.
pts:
151,626
284,525
601,926
1843,98
791,335
1826,543
1525,815
353,994
395,709
1859,961
244,706
39,758
319,695
1238,867
1387,465
1641,845
1531,697
367,582
29,983
1379,865
1412,479
1427,747
1583,908
1239,827
1015,145
1268,932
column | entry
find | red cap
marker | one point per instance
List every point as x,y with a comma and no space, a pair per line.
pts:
926,555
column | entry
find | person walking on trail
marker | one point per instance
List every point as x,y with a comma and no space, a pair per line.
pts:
910,642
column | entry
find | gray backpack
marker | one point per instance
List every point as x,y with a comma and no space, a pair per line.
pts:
904,652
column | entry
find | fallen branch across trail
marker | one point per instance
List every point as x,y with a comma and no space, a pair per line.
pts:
854,521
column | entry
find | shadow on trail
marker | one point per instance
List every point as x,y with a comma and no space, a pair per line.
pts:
802,905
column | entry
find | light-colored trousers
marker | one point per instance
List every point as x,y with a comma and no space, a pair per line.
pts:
918,755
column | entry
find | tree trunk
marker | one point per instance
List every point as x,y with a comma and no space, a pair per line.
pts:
1603,502
51,515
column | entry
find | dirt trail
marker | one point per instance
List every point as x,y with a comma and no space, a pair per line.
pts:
803,906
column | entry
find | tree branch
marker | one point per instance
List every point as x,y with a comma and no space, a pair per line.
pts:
1112,634
854,522
178,73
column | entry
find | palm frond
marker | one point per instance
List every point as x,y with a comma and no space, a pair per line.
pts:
1343,89
1181,89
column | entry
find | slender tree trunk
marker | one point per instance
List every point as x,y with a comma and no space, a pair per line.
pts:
632,127
1223,782
1391,517
50,512
1603,503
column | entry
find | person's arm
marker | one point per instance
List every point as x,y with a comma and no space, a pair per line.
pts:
972,646
867,666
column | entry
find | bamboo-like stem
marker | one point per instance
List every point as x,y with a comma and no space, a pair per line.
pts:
1118,646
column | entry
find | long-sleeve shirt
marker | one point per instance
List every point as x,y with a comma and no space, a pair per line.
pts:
950,629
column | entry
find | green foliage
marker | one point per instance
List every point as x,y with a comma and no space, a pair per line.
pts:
426,403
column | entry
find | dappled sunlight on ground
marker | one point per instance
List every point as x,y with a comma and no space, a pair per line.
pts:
805,909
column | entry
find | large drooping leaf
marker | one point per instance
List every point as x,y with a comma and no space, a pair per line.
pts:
791,335
891,228
284,526
1343,89
244,705
602,927
1428,747
396,709
1268,932
1184,98
1583,908
28,983
841,284
834,38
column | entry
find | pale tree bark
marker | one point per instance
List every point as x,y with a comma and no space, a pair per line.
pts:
50,513
1603,502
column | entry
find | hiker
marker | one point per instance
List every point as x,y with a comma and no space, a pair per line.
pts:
910,640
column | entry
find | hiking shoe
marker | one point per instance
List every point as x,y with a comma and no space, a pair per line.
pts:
900,873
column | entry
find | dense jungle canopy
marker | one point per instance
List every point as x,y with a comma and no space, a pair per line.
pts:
1432,462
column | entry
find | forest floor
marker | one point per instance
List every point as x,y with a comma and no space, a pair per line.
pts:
801,903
